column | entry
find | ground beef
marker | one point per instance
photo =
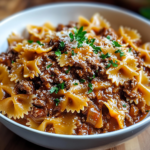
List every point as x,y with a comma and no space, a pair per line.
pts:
108,31
62,27
25,87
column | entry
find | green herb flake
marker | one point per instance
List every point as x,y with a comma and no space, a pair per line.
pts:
103,56
108,66
61,45
121,52
116,44
124,105
54,89
39,43
75,84
67,71
147,110
65,52
96,71
71,37
90,42
82,80
58,52
93,76
56,101
130,50
73,47
30,41
114,64
108,37
73,53
90,88
79,45
12,61
96,49
49,66
61,85
52,75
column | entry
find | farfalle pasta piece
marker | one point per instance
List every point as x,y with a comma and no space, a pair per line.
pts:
116,113
26,66
34,47
49,26
14,38
146,46
64,124
74,99
16,106
37,31
94,117
96,23
130,36
143,86
63,60
145,56
125,71
6,86
16,72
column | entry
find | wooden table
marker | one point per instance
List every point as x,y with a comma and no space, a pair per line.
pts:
10,141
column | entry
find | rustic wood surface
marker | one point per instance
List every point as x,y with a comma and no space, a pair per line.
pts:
10,141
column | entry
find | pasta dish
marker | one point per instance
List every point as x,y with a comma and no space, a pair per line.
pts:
78,79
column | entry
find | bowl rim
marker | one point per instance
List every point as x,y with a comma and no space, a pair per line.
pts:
75,4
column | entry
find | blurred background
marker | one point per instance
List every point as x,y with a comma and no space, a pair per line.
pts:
9,7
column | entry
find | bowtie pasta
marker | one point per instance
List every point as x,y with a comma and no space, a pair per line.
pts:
77,79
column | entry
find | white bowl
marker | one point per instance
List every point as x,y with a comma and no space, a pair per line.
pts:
63,13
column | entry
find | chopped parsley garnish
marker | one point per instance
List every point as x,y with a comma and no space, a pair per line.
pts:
61,45
147,110
124,105
49,66
52,75
58,52
39,43
90,42
130,50
73,53
73,47
96,49
80,35
116,44
79,45
92,77
108,37
96,71
67,71
114,64
120,51
90,88
12,61
61,85
103,56
57,101
108,66
54,89
82,80
57,88
65,52
71,37
75,84
30,41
